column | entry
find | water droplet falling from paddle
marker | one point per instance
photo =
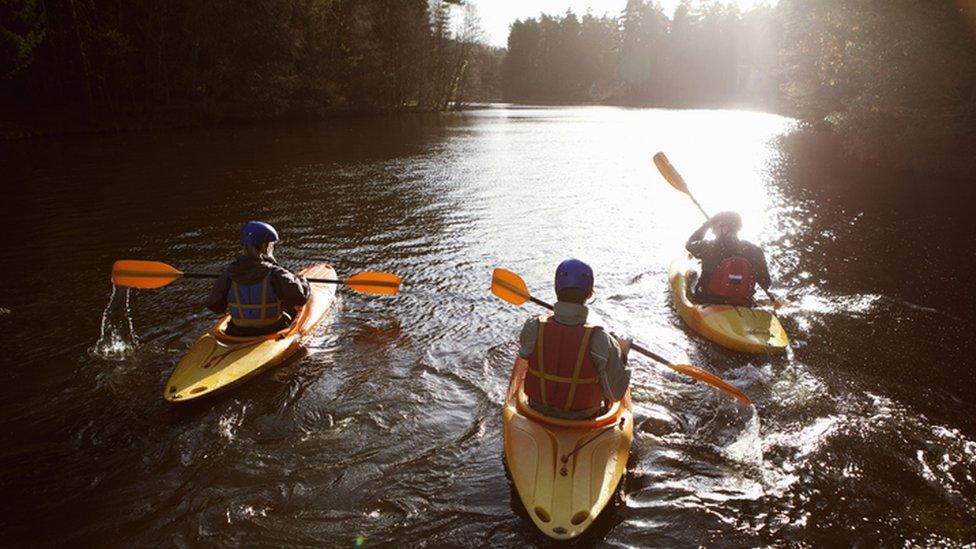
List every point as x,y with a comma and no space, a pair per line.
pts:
118,338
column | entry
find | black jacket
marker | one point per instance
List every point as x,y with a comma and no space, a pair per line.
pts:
292,290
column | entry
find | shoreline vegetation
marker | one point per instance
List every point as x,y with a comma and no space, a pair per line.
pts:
893,80
89,65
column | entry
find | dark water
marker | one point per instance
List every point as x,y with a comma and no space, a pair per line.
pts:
389,426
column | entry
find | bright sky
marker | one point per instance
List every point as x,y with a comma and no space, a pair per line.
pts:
497,15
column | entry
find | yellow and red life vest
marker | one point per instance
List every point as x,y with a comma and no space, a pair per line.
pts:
561,373
253,305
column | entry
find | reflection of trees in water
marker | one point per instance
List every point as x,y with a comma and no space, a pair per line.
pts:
185,194
870,217
880,259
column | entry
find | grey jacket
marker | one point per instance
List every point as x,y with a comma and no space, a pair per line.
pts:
604,351
292,290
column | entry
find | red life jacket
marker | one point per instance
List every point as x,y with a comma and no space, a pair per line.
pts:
733,281
561,374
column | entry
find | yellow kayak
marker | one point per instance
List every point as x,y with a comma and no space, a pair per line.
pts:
565,471
217,361
746,329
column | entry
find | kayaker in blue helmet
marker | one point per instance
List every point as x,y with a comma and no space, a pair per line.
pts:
575,369
731,267
259,295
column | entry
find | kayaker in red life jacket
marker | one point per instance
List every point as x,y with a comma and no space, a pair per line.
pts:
575,369
259,295
731,268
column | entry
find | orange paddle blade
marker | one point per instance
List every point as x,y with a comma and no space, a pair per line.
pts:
135,273
374,283
509,286
667,170
710,379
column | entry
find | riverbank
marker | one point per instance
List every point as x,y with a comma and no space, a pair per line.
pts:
54,124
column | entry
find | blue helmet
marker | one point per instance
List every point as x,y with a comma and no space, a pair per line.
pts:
255,233
573,273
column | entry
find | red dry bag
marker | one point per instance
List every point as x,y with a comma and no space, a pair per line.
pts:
733,281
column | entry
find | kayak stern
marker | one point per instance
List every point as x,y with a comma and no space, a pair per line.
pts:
565,472
745,329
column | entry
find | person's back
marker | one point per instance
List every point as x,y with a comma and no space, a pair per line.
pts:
731,267
259,295
575,369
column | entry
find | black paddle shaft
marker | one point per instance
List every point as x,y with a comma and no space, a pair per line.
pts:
317,280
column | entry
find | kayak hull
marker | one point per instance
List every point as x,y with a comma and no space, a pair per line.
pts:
563,498
744,329
217,361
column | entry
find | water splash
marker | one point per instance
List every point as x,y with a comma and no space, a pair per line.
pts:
228,423
747,448
118,338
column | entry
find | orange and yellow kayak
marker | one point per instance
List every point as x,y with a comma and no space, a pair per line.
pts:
746,329
217,361
565,471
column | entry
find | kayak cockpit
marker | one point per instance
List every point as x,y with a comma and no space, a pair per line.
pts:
608,416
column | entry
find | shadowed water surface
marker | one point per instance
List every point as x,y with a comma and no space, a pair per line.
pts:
389,425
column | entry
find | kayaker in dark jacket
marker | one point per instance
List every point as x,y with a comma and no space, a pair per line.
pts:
563,380
730,267
260,296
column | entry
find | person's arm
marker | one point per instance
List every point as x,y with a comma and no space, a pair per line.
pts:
291,288
217,300
528,337
611,363
761,268
696,243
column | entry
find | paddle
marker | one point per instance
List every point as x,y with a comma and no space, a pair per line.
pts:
674,178
134,273
511,288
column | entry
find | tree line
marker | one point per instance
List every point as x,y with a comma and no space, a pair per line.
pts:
706,54
223,58
895,78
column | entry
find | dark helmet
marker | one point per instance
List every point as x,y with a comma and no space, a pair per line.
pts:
256,233
730,220
573,273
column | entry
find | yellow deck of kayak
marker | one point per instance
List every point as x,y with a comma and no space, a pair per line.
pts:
217,361
563,498
746,329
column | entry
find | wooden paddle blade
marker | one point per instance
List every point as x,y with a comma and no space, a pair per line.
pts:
135,273
711,379
670,174
374,283
509,286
